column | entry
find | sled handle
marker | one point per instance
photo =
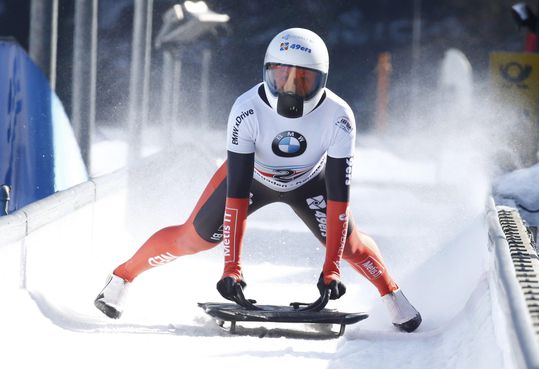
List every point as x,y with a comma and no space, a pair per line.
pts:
240,299
318,305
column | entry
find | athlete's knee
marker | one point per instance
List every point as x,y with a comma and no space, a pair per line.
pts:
358,244
180,240
188,241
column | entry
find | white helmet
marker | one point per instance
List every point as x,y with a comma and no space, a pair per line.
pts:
295,72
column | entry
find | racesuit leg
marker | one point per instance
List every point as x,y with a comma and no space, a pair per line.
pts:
200,232
309,202
362,253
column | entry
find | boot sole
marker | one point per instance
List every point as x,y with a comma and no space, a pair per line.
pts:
107,310
410,325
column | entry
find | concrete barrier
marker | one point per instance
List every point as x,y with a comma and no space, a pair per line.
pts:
21,223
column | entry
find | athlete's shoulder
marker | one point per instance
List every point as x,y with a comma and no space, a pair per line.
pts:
342,114
246,108
250,96
336,100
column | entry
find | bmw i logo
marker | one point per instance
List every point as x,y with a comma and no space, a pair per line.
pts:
289,144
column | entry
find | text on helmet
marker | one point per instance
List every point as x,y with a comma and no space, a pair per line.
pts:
286,45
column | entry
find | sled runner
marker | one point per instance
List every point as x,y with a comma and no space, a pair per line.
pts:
245,310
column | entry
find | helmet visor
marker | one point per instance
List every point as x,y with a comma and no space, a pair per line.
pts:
304,82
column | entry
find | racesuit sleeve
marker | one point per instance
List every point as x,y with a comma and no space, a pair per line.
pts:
338,178
241,132
239,178
338,173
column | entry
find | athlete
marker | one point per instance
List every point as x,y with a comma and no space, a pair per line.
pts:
290,139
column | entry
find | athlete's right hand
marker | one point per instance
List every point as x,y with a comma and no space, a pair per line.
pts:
227,287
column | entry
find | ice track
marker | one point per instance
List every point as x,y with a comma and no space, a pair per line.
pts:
427,216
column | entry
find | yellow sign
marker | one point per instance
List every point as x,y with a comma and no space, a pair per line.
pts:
514,78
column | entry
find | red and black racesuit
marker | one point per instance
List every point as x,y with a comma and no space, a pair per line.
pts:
319,195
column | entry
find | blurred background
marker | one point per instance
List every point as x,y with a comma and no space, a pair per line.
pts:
139,70
356,32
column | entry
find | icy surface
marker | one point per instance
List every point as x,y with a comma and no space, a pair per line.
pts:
431,231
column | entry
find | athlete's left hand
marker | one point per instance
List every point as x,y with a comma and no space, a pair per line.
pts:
337,288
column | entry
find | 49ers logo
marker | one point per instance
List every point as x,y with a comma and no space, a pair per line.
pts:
318,204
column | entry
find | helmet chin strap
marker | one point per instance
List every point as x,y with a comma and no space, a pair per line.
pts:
290,105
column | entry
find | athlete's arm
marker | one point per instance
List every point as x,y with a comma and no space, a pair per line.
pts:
338,176
239,174
239,178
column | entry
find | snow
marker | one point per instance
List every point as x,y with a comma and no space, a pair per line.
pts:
519,189
432,233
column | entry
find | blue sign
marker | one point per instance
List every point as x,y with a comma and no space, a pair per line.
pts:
38,151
